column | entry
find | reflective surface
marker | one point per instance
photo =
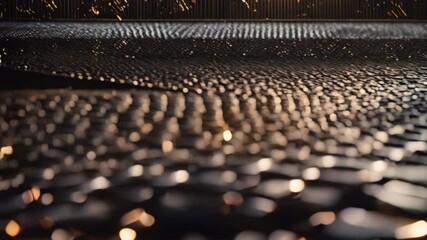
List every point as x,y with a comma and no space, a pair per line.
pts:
228,147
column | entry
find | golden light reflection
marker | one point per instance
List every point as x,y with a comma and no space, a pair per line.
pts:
99,183
12,228
354,216
227,135
229,176
180,176
379,166
324,218
47,199
78,197
48,174
246,3
27,197
156,169
396,154
369,176
6,150
413,230
131,216
263,204
328,161
60,234
296,185
311,173
147,220
139,214
136,170
134,137
264,164
36,192
127,234
167,146
94,10
31,195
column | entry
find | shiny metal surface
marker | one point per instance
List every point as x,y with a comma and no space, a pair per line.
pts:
217,145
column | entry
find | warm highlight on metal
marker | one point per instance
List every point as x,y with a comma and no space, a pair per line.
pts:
212,9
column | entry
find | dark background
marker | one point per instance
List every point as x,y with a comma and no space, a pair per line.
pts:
213,9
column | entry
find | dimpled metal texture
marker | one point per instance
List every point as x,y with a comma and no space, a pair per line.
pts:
237,131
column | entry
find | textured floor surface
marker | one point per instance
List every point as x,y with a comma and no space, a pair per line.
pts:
214,142
183,30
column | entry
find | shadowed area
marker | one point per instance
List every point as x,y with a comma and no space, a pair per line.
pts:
212,10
